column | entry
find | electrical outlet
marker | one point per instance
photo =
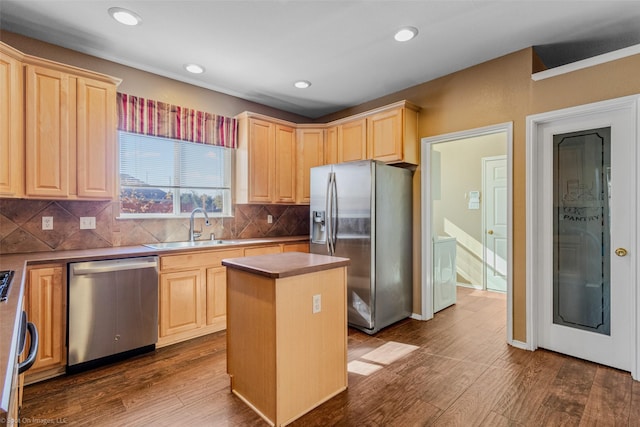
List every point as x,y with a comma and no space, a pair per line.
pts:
317,304
269,219
87,223
47,223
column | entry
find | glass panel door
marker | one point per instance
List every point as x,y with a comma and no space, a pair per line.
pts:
581,230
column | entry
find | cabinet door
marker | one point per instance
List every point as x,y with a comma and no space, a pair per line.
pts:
261,160
216,295
352,141
181,302
310,154
96,142
11,125
48,132
285,164
384,135
45,304
331,146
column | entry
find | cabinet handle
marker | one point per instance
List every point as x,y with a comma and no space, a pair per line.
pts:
490,232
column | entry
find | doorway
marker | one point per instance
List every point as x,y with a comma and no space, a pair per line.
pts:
453,208
582,198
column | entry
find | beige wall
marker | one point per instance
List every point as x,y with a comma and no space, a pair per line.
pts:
461,172
147,85
498,91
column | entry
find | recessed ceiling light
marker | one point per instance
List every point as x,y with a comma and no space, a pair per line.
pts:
124,16
194,68
302,84
405,34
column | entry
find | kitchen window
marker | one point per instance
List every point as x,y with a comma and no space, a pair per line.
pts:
162,177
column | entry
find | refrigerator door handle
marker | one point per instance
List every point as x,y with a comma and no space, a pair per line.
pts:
328,207
334,210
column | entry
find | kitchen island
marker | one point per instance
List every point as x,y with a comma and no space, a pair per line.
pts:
286,332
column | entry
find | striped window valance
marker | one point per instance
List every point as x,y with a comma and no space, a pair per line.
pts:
149,117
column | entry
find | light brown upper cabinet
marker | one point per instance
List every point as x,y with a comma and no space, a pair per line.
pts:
392,135
274,156
261,159
11,123
285,164
96,138
70,132
265,160
352,141
48,128
331,145
388,134
310,143
384,134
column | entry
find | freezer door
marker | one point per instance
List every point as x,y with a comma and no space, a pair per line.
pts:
353,238
394,239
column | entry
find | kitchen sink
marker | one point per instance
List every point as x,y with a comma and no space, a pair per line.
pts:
197,244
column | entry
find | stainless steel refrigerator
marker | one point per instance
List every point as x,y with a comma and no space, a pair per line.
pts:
363,211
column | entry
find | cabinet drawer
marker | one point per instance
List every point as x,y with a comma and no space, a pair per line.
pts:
295,247
262,250
197,259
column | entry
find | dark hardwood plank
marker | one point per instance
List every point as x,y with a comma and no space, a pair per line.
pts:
462,374
610,398
528,392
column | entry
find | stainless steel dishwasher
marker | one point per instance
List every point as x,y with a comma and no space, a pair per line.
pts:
113,310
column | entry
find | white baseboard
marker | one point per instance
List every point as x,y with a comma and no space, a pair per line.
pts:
416,316
520,345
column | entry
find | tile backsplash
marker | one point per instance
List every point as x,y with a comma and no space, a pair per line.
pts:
21,225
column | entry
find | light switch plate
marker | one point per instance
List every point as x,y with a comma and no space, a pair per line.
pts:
87,223
47,223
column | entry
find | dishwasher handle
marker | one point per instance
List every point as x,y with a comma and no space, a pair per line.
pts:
115,265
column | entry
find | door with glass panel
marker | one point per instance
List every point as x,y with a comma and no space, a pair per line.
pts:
588,200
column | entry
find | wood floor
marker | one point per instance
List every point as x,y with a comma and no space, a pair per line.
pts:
462,373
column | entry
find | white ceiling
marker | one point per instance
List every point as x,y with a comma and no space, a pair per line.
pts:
255,50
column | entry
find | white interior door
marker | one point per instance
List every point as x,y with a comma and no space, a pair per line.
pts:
495,222
587,200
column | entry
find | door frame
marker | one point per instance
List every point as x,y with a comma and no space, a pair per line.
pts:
533,193
485,160
426,216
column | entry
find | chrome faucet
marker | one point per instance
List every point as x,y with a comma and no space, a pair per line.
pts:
192,233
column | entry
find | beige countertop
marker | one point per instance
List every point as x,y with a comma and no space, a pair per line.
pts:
10,310
285,264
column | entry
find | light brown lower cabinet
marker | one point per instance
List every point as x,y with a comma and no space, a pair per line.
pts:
192,294
45,303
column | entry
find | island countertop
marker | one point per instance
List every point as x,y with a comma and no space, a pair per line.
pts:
285,264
